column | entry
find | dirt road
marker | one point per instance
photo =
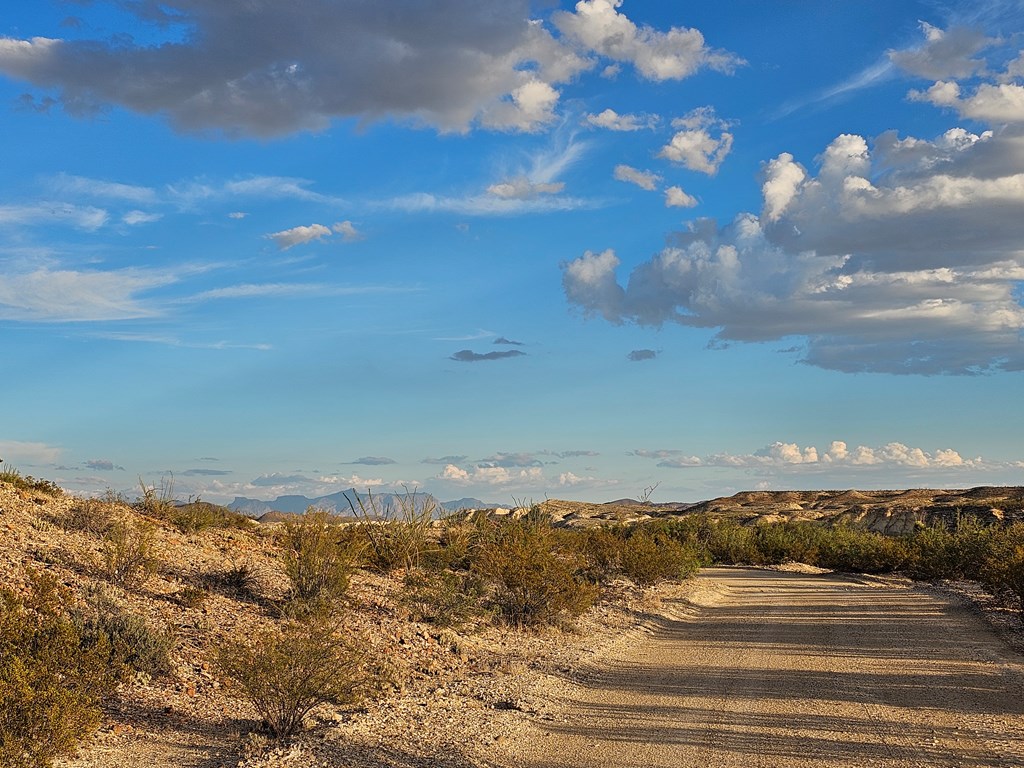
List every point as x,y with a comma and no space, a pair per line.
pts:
789,669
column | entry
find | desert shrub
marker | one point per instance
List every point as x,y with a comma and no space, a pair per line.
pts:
782,542
90,516
601,550
133,645
128,558
398,534
536,581
50,686
458,538
318,558
236,580
731,543
286,673
200,515
1003,568
191,596
442,597
648,558
12,476
854,550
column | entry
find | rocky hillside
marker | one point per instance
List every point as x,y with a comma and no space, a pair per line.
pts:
892,512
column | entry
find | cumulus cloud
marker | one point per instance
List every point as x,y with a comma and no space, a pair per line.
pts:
792,457
469,356
492,476
373,461
611,120
675,197
903,258
521,188
989,102
702,142
944,53
638,355
643,179
289,238
597,25
272,69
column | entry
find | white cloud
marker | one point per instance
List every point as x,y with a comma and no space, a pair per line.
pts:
944,54
140,217
675,197
64,295
521,188
348,231
528,108
289,238
14,452
790,457
1001,103
66,184
487,205
50,213
643,179
702,144
596,25
451,64
490,475
611,120
237,215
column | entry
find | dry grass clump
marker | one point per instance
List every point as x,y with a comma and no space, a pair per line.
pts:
51,683
237,580
90,516
286,673
397,534
128,558
319,559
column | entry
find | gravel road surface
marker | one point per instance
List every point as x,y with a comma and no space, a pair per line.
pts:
765,668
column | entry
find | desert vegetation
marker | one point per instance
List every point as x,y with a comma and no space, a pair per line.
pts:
103,603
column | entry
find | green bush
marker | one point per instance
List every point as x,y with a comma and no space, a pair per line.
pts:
442,597
286,673
854,550
650,558
128,558
318,559
536,580
1003,568
50,685
133,644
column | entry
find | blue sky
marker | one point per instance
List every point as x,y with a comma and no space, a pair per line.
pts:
511,249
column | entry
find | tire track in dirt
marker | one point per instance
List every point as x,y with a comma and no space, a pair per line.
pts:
790,669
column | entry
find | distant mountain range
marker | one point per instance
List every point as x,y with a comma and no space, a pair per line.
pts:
341,503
